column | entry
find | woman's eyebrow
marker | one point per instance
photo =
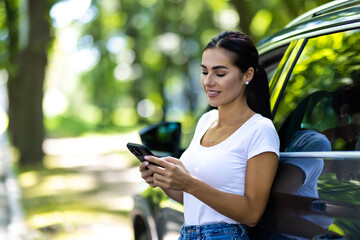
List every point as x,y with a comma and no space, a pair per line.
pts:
215,67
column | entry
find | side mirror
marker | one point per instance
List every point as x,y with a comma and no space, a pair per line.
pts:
163,138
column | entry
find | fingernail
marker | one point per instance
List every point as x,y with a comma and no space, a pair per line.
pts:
147,157
146,163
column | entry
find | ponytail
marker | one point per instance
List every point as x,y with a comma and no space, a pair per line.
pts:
257,93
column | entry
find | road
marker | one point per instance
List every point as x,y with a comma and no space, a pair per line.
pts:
84,192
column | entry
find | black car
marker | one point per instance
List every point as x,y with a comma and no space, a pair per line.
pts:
313,65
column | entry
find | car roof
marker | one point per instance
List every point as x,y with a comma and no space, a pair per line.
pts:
335,16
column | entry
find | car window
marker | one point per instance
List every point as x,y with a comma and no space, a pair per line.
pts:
322,96
319,112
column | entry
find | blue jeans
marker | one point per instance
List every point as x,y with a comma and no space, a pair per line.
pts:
219,231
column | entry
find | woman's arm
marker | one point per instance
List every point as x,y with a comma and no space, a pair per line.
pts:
173,194
247,209
289,178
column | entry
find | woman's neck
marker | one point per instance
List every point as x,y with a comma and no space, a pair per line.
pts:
234,114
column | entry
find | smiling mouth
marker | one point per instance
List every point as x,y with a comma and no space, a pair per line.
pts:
212,93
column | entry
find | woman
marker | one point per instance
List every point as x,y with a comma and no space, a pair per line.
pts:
225,176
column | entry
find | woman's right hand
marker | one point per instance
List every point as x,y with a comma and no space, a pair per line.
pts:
147,174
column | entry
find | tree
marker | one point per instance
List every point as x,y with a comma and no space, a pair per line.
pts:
26,68
156,72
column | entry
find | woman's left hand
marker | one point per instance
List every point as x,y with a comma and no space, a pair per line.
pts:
170,174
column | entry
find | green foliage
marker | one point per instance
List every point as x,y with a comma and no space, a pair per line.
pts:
152,58
332,189
333,60
150,47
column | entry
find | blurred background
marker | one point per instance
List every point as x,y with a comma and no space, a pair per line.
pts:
79,79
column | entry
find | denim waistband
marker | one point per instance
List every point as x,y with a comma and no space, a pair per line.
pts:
213,229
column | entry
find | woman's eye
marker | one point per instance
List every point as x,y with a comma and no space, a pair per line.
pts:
204,73
220,74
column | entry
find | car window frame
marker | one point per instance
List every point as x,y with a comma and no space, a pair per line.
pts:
278,85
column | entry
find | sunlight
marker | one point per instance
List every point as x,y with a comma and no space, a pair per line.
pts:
116,44
227,19
91,145
28,179
114,161
119,203
51,185
4,120
122,72
168,42
261,22
145,108
55,102
81,225
65,12
84,59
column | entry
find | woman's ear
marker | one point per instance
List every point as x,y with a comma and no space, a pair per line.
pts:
248,75
345,110
345,114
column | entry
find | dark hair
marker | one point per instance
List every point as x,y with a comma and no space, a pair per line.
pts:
348,94
245,55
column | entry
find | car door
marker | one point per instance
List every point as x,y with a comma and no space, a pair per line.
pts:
315,97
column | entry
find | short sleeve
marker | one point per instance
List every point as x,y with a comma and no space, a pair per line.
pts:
264,139
308,141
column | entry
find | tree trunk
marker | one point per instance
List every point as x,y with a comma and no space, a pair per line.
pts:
25,85
242,7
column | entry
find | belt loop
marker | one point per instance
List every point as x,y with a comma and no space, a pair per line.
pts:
242,228
198,230
182,229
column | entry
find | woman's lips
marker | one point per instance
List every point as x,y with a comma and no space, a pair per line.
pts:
213,93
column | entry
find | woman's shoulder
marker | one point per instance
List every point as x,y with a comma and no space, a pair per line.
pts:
262,122
262,126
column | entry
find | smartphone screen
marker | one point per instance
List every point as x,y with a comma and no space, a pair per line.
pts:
140,151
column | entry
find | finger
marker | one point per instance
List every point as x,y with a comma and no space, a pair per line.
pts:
149,179
153,185
157,169
144,165
156,160
160,181
172,160
146,174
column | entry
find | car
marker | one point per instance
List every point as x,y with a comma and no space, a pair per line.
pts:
313,67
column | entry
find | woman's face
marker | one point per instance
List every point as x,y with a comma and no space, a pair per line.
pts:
222,81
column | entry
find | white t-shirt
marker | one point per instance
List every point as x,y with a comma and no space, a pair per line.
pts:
308,141
223,166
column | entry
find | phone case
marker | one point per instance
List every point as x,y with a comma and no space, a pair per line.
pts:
140,151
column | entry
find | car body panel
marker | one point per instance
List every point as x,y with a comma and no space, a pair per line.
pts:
348,18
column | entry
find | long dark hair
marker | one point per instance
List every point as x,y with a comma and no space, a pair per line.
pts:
349,95
245,55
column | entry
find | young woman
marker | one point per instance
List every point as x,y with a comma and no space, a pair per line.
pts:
225,176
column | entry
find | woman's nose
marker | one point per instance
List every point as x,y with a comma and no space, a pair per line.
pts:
209,80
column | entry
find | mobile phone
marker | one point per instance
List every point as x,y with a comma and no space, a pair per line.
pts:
139,150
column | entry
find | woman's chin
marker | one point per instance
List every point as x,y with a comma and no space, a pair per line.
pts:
213,104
